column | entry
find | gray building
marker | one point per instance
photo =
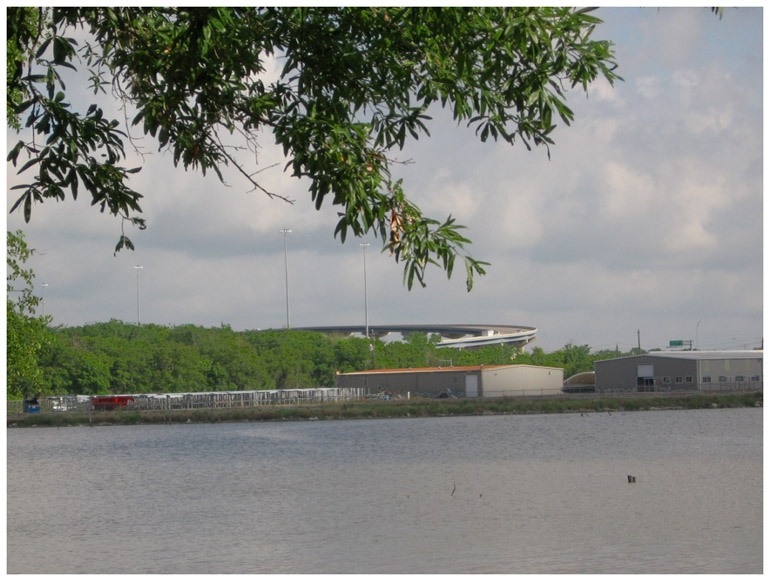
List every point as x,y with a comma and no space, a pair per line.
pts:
474,381
681,371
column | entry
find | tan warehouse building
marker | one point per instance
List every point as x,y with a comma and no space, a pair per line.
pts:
474,381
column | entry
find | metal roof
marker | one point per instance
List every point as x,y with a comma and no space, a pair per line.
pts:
425,369
443,369
699,355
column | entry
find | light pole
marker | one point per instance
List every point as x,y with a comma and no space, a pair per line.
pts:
42,299
137,268
697,346
286,231
366,296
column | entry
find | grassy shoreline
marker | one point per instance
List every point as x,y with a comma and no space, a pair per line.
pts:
392,409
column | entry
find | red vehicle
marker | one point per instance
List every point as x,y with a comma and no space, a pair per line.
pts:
110,402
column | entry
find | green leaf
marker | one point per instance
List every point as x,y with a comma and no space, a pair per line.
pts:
123,242
14,153
41,51
27,207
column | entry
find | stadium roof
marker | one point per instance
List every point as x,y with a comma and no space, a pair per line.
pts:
454,335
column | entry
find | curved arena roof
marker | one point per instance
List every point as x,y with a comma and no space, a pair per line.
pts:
453,335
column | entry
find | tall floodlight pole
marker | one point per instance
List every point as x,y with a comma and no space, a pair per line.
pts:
42,299
137,268
366,296
286,231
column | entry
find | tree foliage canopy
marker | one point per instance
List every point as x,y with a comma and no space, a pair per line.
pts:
355,85
117,357
26,333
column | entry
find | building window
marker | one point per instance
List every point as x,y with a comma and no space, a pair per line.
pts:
666,379
755,378
688,379
679,379
707,379
740,378
722,379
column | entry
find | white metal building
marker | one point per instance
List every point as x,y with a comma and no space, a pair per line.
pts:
473,381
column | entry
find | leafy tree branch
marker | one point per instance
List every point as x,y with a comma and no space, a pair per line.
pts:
355,85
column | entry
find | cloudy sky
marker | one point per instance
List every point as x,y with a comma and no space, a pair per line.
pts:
647,218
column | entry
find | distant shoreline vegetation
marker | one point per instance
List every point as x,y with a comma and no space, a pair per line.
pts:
372,409
118,357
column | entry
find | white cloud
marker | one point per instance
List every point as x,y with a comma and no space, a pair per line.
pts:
629,194
712,121
648,87
686,78
647,216
602,91
445,192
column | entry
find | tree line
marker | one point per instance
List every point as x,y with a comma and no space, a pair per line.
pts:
119,357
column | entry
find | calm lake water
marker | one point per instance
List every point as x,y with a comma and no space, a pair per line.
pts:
490,494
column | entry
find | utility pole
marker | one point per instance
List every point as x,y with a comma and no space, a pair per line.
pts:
45,284
366,296
639,339
137,268
697,341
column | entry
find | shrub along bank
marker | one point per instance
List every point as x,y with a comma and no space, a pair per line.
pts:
394,409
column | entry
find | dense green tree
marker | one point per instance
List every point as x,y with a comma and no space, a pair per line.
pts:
237,366
575,359
26,333
488,355
297,359
25,338
355,85
352,354
416,350
176,367
83,368
116,357
396,355
55,378
131,370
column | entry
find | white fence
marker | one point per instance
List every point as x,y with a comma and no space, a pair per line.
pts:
199,400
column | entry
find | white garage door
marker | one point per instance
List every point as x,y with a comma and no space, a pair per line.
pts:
644,371
471,386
